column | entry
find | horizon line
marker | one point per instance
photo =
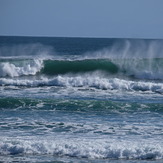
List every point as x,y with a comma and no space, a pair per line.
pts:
83,37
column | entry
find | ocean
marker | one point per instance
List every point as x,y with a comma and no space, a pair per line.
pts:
81,100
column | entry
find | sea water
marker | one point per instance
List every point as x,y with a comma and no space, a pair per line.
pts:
81,100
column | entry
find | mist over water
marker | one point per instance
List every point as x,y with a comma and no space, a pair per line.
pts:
81,99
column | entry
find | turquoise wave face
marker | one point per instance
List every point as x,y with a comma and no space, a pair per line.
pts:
138,68
56,67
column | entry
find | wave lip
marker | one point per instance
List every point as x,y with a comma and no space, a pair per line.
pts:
30,67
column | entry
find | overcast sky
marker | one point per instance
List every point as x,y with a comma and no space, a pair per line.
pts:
82,18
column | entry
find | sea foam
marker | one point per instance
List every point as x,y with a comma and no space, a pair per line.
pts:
83,148
11,70
87,82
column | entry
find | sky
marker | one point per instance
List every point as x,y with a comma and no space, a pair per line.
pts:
82,18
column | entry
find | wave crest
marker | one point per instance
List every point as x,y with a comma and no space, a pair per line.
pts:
23,68
87,81
135,68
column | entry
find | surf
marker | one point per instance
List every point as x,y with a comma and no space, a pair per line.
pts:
83,99
144,68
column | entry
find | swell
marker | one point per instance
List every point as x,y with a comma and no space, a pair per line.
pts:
101,106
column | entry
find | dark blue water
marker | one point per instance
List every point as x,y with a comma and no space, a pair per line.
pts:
81,100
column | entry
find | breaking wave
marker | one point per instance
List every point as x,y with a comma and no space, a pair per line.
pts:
91,149
86,82
136,68
105,74
20,68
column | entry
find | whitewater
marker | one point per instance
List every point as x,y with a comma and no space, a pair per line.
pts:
81,100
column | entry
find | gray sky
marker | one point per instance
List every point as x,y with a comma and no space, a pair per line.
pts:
82,18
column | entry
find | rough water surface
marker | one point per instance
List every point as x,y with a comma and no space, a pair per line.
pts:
81,100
